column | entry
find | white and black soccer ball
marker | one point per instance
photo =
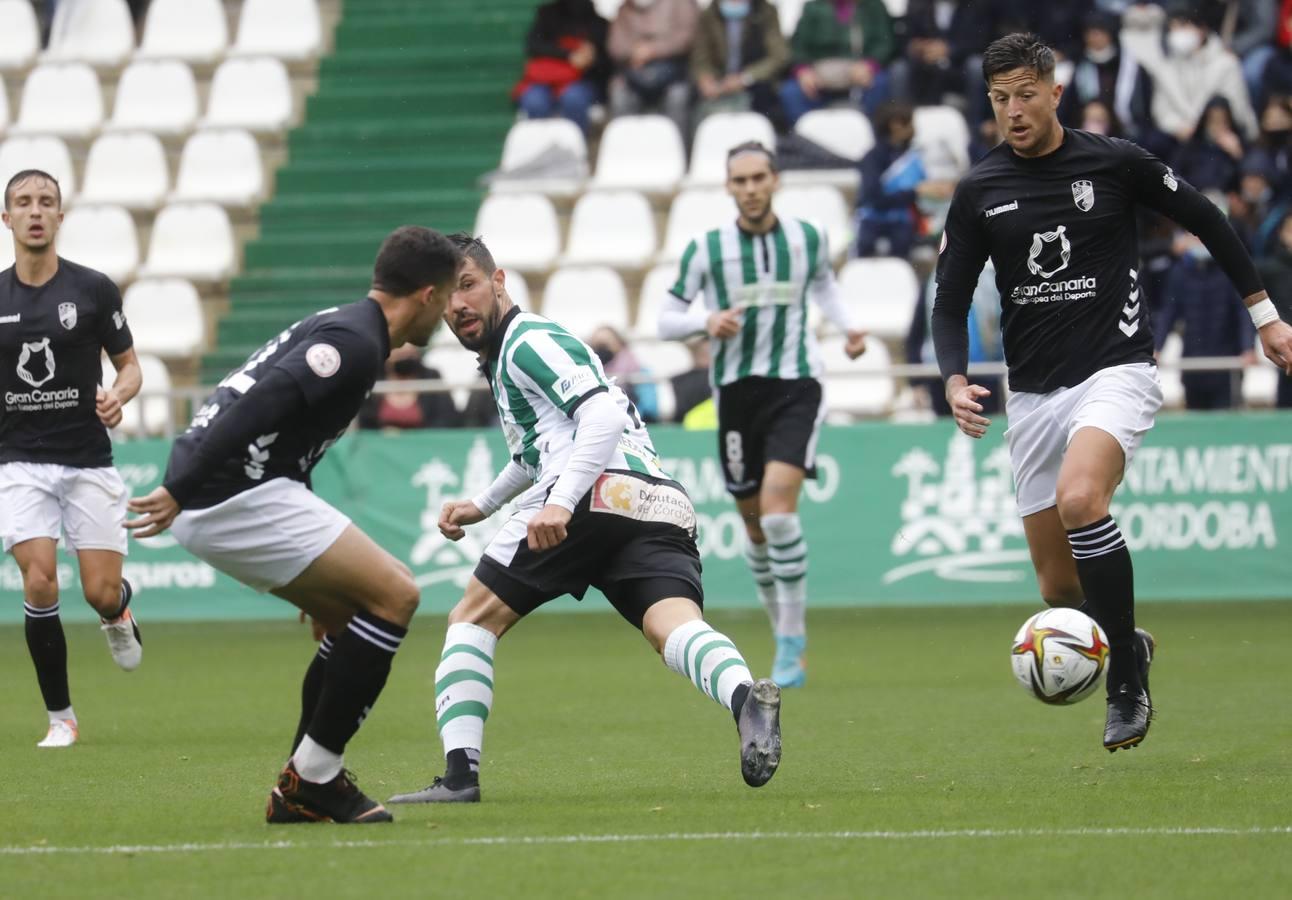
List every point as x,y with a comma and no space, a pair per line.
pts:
1059,656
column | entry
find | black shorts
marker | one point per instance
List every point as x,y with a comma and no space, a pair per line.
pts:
766,419
634,562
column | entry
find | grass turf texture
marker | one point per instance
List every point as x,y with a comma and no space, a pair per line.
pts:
911,722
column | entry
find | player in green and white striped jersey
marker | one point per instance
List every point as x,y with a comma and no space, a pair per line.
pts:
757,275
594,509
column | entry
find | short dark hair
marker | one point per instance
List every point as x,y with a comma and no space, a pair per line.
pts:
891,111
1021,50
474,249
412,257
753,147
22,176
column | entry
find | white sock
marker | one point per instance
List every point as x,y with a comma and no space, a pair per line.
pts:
464,686
61,715
787,553
756,559
316,763
707,658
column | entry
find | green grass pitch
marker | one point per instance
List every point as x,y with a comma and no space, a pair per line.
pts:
914,766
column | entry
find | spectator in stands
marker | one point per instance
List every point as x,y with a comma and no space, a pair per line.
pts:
893,179
1276,272
1099,119
739,53
409,409
1248,28
840,49
691,388
927,72
1193,68
567,66
1251,206
1275,144
1103,74
1276,73
650,45
619,361
1210,159
1201,299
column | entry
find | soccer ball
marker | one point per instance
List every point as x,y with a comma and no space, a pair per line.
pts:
1059,655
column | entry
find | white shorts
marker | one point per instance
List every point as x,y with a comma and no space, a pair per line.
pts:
263,537
87,507
1121,400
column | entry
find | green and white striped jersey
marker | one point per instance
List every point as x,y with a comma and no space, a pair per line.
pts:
539,374
770,277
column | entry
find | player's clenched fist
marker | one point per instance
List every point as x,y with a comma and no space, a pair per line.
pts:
725,323
108,407
455,514
1276,340
547,529
964,398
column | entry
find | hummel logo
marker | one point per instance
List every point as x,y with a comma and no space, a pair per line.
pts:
1129,311
1003,208
1131,308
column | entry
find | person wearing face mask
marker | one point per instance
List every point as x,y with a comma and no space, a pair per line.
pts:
1250,206
649,43
1210,159
1188,65
1104,75
739,52
621,363
409,409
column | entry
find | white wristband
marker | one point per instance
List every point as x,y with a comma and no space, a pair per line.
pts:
1263,312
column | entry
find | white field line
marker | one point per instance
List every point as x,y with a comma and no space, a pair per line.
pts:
682,837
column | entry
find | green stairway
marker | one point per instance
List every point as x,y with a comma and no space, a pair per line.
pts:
412,107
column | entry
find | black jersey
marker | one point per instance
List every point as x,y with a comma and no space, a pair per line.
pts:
52,339
1061,231
324,367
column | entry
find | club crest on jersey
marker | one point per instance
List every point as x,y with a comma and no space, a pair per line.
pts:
1083,194
67,315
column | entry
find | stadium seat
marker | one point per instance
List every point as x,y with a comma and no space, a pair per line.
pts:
521,229
98,32
49,154
655,288
693,212
150,412
527,141
853,394
101,237
642,153
716,135
6,251
255,94
1168,372
1261,381
286,29
843,131
459,367
613,228
518,289
191,240
165,317
19,34
221,166
663,359
584,298
4,107
607,8
128,169
823,206
790,11
62,99
881,294
155,95
196,31
943,135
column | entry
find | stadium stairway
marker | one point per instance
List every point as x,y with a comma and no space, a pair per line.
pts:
412,106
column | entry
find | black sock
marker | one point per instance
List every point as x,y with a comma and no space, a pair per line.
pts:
48,648
1104,567
1089,609
126,593
461,768
312,688
738,699
352,681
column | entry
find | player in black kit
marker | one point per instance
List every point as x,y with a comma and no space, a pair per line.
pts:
56,473
1054,209
236,494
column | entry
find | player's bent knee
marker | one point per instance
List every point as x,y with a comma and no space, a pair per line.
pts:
39,589
1080,504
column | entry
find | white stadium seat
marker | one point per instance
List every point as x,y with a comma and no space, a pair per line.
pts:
655,288
4,107
694,212
823,206
613,228
881,295
857,395
62,99
716,135
663,359
1261,381
527,141
155,95
98,32
196,31
165,317
6,250
943,135
255,94
147,414
585,298
49,154
287,29
19,34
459,367
101,237
221,166
790,11
642,153
191,240
521,229
128,169
607,8
1168,373
843,131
